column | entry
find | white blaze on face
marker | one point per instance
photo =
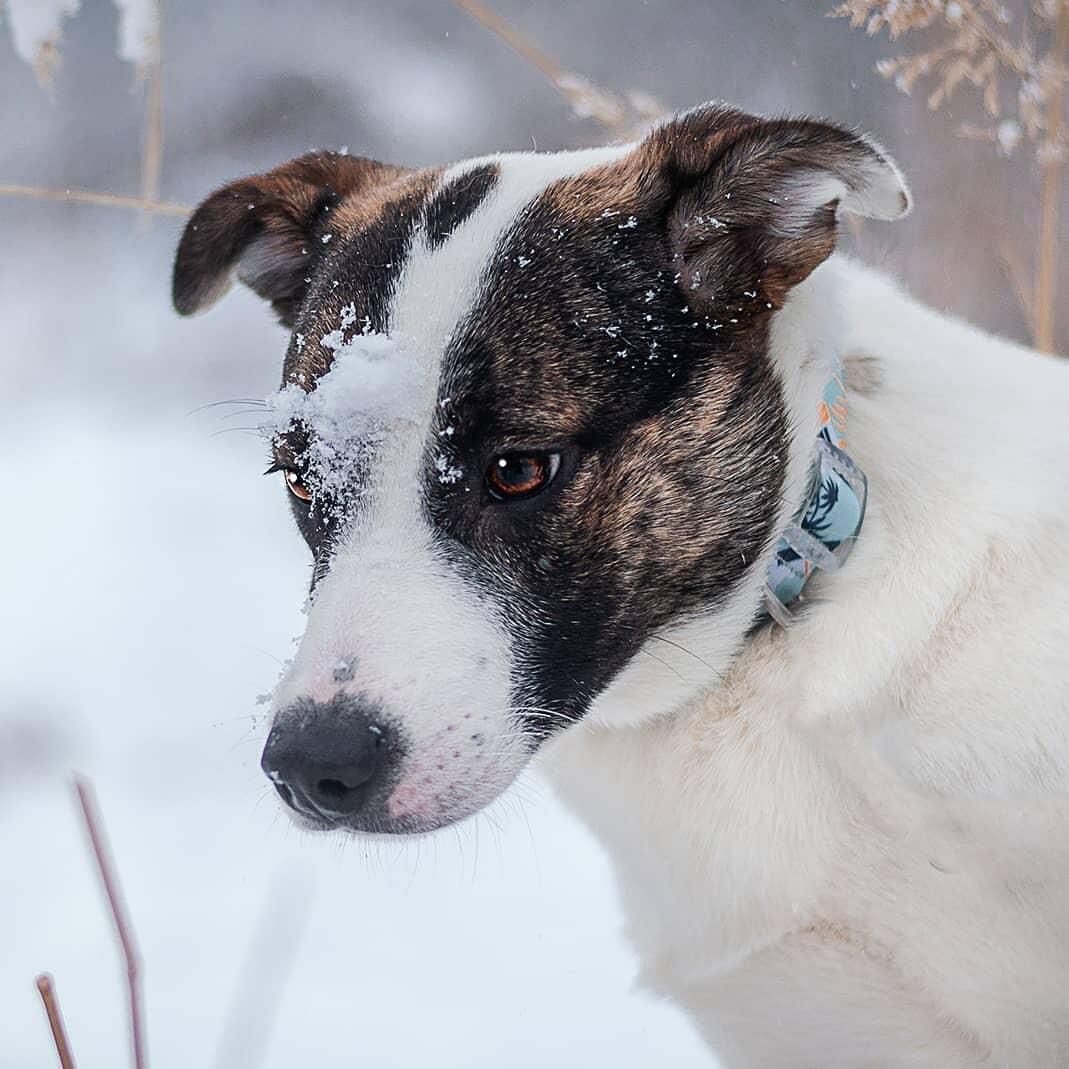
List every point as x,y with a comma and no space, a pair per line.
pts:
421,645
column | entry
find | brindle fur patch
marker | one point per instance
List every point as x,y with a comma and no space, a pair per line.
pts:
267,227
672,426
623,321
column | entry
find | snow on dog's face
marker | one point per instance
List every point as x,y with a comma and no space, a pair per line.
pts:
530,423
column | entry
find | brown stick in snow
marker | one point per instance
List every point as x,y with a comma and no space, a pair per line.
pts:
47,990
123,928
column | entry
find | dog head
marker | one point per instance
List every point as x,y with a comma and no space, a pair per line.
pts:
535,421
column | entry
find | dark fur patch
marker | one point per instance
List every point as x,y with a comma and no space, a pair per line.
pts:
741,222
267,228
353,284
455,202
673,432
623,322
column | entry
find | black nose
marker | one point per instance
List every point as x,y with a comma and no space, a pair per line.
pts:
325,758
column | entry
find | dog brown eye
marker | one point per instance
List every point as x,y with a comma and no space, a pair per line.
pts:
514,475
297,487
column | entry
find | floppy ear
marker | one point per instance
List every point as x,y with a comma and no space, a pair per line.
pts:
753,203
265,229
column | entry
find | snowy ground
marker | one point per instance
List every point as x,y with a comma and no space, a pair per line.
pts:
151,586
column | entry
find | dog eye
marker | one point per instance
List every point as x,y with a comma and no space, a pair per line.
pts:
296,485
515,475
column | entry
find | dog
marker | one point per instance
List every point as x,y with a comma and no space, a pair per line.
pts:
611,457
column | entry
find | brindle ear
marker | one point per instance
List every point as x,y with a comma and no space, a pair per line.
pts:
753,203
266,230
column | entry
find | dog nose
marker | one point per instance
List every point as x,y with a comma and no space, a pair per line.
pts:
324,758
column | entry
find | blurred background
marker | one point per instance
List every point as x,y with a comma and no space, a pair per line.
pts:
152,579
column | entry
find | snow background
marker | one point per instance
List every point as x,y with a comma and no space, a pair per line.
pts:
152,579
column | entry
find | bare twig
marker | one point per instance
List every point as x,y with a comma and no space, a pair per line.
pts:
123,927
616,113
1018,65
88,196
46,988
152,149
1017,273
545,65
1047,258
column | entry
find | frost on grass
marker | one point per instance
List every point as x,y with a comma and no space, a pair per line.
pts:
374,383
37,27
139,31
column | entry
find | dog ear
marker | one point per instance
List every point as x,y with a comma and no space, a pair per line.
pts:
265,229
753,203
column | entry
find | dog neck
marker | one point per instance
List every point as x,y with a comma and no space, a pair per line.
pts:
826,525
693,656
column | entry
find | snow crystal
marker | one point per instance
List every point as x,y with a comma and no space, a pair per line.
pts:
1009,135
447,473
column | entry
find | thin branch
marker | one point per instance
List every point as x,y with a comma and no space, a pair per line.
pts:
585,99
1047,258
152,149
545,65
46,988
123,927
88,196
1017,273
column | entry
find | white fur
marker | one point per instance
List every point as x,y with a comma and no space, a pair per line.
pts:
420,644
839,845
852,850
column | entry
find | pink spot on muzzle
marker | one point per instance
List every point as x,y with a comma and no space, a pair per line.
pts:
407,800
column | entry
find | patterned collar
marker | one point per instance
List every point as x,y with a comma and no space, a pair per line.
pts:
823,531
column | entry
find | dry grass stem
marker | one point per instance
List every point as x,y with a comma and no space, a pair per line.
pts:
46,988
1019,66
123,928
619,114
87,196
1052,162
1015,270
152,148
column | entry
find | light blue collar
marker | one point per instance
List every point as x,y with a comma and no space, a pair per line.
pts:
825,527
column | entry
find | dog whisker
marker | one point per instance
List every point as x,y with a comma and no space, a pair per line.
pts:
690,653
257,402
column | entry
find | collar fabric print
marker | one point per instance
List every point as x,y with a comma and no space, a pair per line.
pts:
824,529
